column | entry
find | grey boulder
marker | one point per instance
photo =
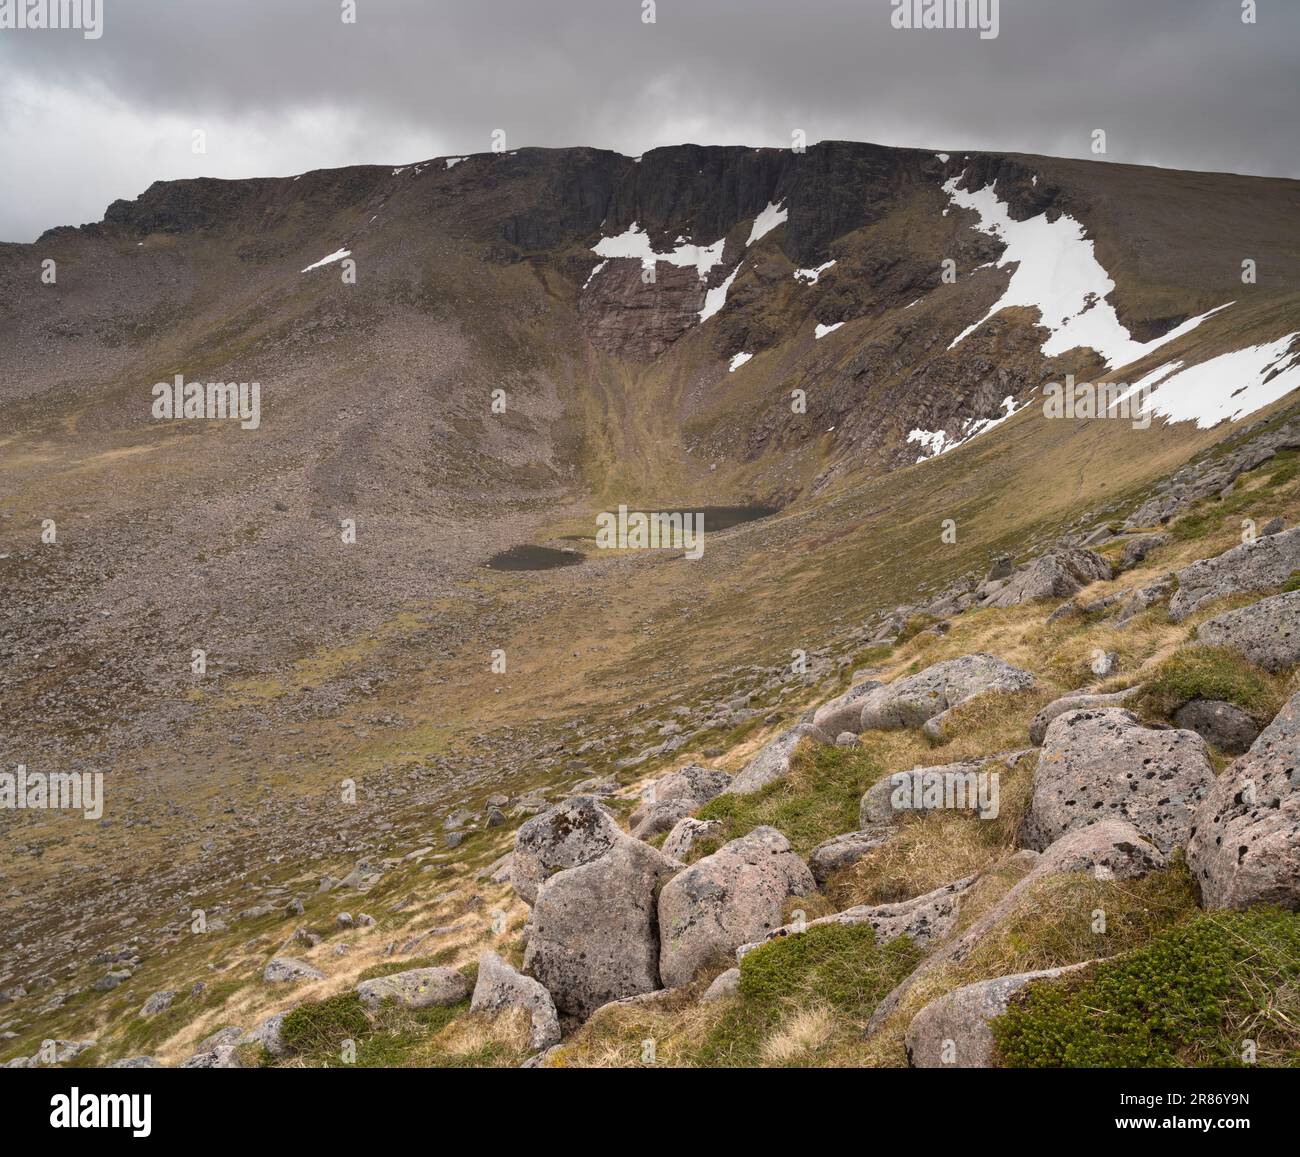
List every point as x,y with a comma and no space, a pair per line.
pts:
686,833
1245,844
1267,632
1074,702
415,988
733,897
594,935
1253,566
1102,764
574,832
1224,725
285,969
912,701
772,763
500,987
1053,576
954,1031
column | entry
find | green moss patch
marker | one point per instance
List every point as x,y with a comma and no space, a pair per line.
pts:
838,965
1193,997
817,800
1200,672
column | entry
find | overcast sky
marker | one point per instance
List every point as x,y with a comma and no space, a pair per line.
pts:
282,86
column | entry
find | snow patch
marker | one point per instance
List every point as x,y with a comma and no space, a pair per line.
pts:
810,276
738,360
337,255
452,162
936,442
766,221
599,266
635,242
1230,386
822,330
716,298
1057,273
943,157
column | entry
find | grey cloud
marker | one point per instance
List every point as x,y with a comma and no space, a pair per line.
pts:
283,86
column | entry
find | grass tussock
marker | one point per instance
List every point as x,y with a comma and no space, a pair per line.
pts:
1200,672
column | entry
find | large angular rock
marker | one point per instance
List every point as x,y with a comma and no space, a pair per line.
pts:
1225,725
772,763
912,701
954,1032
844,712
693,785
1103,764
574,832
1262,565
732,897
1053,576
1075,702
1245,843
415,988
1266,632
499,987
594,934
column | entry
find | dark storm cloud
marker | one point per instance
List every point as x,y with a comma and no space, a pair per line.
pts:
280,86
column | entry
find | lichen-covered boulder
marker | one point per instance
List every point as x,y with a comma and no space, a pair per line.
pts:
773,761
500,987
574,832
730,898
1101,763
415,988
1245,842
1053,576
1267,632
912,701
594,934
1261,565
954,1032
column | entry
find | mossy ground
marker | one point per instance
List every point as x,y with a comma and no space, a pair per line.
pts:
1220,990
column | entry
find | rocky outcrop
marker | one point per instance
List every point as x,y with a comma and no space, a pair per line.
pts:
772,763
844,712
595,928
1245,843
912,701
1267,632
1138,547
669,798
1262,565
730,898
574,832
500,987
1078,701
415,988
1103,764
1053,576
954,1032
1109,849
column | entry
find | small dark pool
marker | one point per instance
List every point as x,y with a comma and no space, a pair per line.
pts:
722,517
527,557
